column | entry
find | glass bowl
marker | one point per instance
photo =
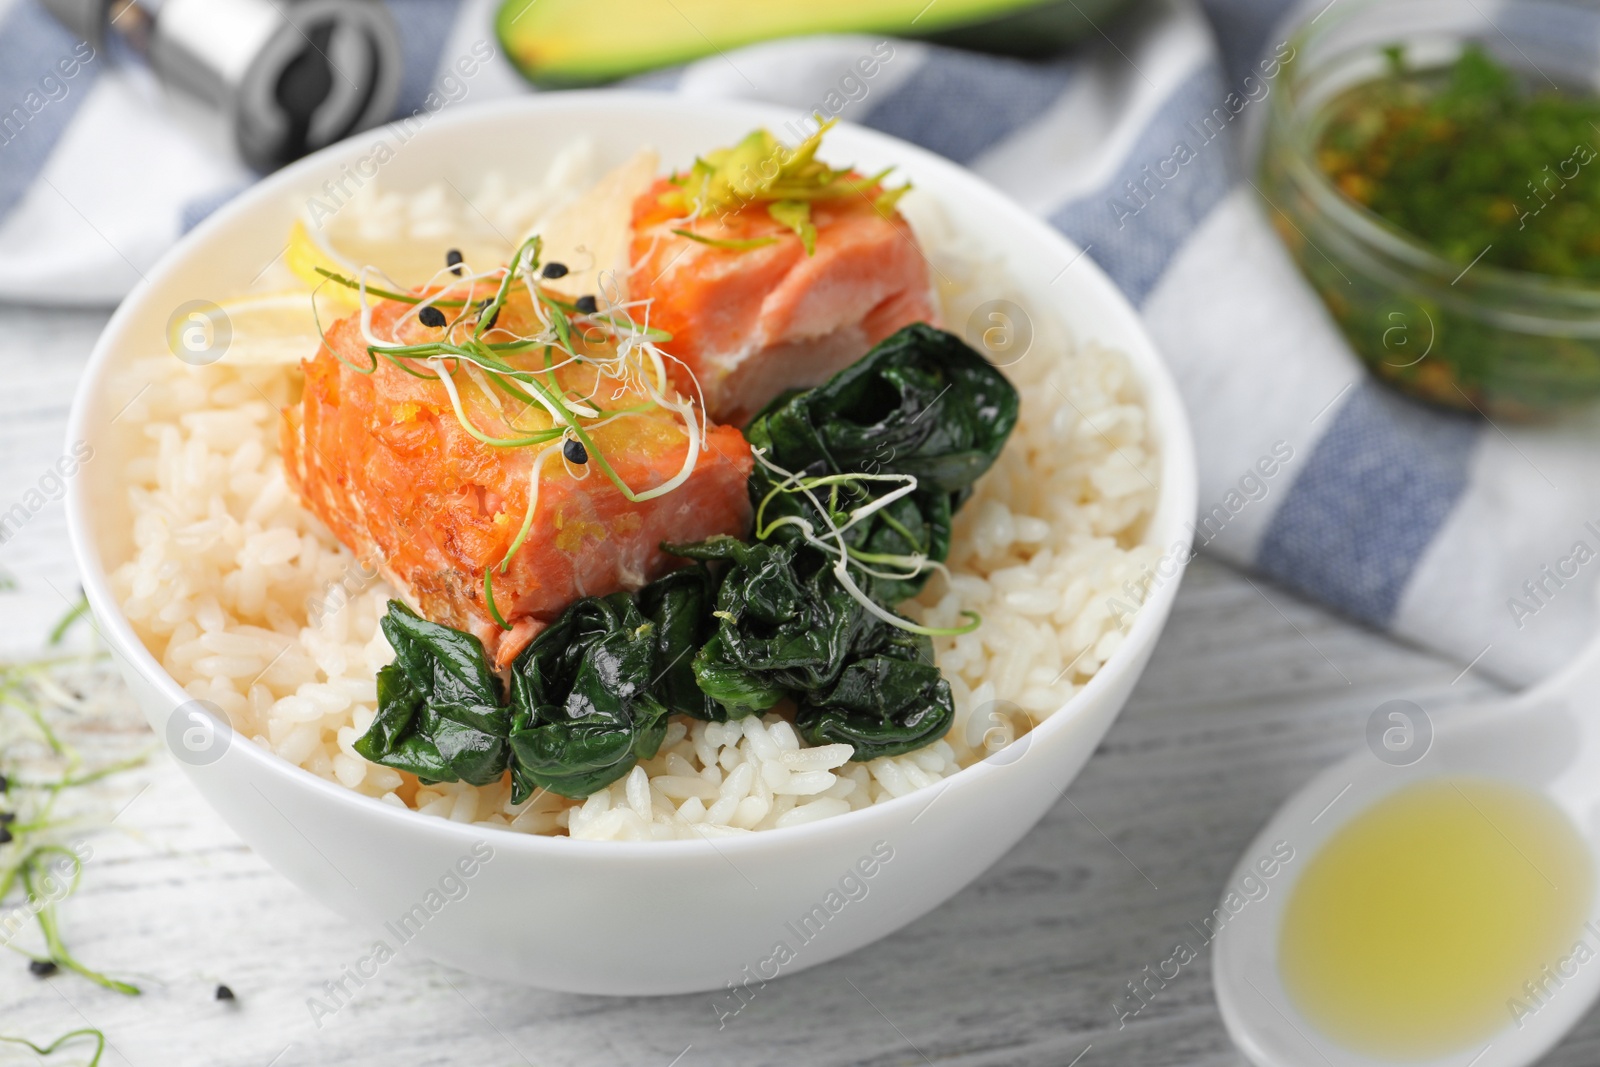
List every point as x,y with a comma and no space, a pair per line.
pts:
1506,343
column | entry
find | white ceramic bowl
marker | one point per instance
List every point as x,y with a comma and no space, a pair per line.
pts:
606,917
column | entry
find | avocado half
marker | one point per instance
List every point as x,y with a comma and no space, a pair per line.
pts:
570,43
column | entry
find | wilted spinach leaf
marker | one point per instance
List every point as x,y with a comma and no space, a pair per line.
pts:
589,696
886,704
785,624
439,710
787,628
922,403
680,607
582,708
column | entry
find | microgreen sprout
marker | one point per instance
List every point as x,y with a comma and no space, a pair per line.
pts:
43,854
70,619
731,244
46,1050
839,522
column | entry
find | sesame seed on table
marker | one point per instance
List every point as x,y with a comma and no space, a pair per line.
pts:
1028,966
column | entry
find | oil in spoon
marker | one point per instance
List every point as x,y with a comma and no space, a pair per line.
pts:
1428,922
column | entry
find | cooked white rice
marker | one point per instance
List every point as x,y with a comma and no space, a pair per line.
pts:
249,603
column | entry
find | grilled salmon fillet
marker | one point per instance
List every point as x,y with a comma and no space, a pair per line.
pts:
384,462
751,322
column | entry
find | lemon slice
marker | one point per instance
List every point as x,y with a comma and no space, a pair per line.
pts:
275,329
404,260
307,252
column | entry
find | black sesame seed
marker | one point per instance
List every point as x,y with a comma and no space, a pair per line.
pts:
5,783
42,968
554,270
224,993
5,836
492,318
7,817
431,316
575,452
588,305
452,259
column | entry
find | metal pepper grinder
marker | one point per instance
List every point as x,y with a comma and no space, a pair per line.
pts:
287,76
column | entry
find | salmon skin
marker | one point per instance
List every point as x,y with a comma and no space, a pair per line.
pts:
754,315
384,461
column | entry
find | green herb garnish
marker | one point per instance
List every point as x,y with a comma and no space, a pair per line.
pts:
386,294
46,1050
727,242
763,170
40,845
59,632
796,214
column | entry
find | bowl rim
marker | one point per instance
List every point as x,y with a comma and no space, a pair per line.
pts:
1178,492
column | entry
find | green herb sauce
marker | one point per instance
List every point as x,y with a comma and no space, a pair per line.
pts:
1480,164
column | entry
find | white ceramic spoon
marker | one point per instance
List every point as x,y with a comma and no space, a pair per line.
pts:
1546,740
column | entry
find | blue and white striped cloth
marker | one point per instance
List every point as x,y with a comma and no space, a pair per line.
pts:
1466,537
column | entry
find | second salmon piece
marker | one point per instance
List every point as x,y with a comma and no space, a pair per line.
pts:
752,314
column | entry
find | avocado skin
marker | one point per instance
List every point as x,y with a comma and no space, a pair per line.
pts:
1036,31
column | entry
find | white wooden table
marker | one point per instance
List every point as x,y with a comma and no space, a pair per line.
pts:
1235,712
